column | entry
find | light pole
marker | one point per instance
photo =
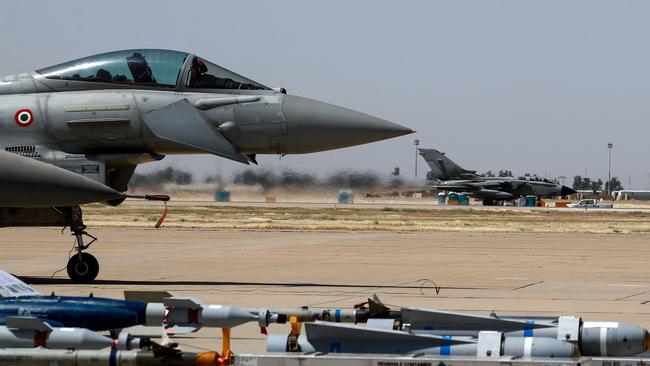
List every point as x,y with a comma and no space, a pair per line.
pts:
609,171
416,142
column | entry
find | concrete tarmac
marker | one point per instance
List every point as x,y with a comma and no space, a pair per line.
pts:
598,277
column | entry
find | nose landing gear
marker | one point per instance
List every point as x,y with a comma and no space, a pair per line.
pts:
82,267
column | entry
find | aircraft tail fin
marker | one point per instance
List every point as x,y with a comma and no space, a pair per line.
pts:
443,168
11,286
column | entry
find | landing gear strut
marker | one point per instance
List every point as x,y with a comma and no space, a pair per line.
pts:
82,267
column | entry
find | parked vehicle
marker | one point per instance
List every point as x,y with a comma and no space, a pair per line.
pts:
590,203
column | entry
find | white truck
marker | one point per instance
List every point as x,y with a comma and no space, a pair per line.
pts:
590,203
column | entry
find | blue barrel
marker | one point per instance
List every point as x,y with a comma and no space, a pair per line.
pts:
222,196
442,198
463,200
530,201
345,197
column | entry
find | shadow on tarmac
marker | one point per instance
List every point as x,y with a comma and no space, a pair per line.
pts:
37,280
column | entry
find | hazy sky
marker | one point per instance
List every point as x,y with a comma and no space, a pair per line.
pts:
530,86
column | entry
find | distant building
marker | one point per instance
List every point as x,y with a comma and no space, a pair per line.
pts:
628,194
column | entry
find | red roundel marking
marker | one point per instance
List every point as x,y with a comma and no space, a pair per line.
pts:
24,117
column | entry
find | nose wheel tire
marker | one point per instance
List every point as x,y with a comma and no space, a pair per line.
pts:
82,268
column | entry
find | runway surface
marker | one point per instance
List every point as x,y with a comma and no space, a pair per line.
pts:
599,277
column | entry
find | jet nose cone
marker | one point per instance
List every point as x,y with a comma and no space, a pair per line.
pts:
566,191
316,126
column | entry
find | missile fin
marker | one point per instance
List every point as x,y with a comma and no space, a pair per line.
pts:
181,328
446,320
27,323
326,331
147,296
11,286
375,306
182,302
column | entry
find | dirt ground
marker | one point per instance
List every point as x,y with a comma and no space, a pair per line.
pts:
597,276
373,218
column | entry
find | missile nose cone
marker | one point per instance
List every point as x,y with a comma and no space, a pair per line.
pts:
92,340
630,339
316,126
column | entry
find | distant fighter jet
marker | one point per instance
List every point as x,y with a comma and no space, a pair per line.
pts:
449,176
74,133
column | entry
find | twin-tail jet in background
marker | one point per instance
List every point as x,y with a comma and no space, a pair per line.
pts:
449,176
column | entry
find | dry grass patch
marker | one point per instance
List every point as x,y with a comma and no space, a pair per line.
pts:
387,219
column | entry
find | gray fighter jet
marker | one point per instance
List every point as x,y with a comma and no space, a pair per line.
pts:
74,133
449,176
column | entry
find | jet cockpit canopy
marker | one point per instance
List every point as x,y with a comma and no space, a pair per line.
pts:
150,68
206,75
534,178
159,68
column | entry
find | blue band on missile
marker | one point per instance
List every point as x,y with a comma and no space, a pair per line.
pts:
112,358
445,349
337,315
528,332
335,347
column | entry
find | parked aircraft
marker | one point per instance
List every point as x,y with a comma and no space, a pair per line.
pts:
74,133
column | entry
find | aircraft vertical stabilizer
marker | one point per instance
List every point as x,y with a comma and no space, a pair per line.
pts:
443,168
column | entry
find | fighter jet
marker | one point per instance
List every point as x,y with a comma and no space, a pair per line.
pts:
74,133
449,176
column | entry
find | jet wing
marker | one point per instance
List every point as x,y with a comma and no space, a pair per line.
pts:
467,185
183,124
10,286
488,188
455,187
487,183
523,188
